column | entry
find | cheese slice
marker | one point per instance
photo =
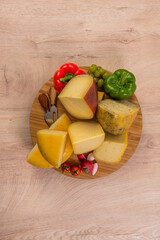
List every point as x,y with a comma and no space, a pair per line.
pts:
85,136
62,124
112,149
79,97
36,159
116,117
51,144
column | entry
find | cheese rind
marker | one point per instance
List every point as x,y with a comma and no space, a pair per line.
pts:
62,124
79,97
85,136
112,149
51,144
116,117
36,159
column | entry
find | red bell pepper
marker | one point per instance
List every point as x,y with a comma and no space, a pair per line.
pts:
66,72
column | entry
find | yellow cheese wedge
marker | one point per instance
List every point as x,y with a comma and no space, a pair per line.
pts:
85,136
51,144
116,117
62,124
112,149
100,96
79,97
36,159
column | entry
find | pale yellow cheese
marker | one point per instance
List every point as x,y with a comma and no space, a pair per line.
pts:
79,97
112,149
116,117
62,124
36,159
51,144
85,136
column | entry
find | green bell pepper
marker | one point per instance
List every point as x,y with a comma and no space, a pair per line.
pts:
120,84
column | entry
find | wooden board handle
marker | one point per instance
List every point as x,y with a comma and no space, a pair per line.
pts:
52,95
43,100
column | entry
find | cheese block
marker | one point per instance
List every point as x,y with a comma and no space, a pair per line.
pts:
112,149
51,144
62,124
85,136
79,97
116,117
36,159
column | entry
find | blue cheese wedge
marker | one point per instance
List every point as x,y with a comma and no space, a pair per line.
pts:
116,117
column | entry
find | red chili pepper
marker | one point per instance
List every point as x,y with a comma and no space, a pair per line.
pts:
66,72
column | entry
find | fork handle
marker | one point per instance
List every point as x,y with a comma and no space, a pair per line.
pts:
52,95
43,100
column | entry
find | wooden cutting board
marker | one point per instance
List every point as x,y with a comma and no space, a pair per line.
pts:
134,134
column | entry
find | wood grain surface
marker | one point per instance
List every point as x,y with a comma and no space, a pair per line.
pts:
36,38
37,123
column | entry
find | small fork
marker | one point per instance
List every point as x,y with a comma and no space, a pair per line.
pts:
53,108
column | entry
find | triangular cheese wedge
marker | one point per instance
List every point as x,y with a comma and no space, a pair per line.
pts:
51,144
36,159
62,124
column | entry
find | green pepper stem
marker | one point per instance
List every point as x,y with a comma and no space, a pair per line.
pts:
68,77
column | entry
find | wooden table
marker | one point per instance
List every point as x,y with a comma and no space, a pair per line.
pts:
36,38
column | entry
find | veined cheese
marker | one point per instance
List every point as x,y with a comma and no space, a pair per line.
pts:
36,159
116,117
85,136
51,144
79,97
62,124
112,149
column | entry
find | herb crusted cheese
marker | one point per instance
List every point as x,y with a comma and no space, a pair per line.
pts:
116,117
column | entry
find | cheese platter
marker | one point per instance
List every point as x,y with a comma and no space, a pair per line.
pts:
83,128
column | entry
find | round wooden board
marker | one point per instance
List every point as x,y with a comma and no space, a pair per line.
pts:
134,134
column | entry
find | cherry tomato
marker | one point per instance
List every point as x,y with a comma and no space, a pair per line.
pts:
66,167
75,170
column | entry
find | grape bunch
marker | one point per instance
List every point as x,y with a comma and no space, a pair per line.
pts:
99,75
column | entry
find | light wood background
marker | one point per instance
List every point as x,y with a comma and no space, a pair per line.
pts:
37,37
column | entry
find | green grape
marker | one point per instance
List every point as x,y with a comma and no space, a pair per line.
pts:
97,74
100,89
95,79
102,71
106,75
100,83
89,71
92,68
92,75
98,68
